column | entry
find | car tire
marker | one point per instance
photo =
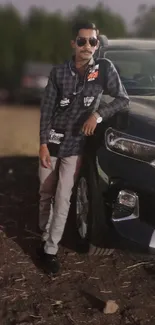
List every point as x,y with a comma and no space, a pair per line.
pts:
94,235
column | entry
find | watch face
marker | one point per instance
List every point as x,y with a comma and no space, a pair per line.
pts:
99,120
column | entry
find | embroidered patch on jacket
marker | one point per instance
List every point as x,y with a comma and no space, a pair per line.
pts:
64,102
93,75
88,101
55,137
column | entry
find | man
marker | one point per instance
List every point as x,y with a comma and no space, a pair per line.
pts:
70,112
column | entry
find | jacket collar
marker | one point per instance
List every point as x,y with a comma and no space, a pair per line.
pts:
91,63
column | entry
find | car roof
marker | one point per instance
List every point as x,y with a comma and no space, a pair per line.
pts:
131,43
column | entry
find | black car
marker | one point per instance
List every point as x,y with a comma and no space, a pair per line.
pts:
34,78
115,193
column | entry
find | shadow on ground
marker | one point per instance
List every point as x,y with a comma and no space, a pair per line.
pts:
19,185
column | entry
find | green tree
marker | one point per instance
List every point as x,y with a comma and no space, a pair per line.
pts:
11,45
107,22
145,22
46,36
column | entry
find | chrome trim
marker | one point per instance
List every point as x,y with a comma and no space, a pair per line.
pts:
133,141
82,207
152,240
128,139
101,173
131,217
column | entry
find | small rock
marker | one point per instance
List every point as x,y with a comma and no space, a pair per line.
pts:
10,171
111,307
57,303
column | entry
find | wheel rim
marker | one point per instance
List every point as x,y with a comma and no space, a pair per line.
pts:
82,208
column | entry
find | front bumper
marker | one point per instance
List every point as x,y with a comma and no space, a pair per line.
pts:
128,222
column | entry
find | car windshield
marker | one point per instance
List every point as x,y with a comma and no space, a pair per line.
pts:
136,69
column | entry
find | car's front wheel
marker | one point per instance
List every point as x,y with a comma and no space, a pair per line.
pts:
89,215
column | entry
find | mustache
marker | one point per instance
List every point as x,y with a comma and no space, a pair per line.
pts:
86,52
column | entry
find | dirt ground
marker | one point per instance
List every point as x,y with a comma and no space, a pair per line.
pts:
84,286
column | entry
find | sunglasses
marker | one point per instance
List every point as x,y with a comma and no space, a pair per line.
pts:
81,41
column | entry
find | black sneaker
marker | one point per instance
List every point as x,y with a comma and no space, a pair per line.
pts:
51,263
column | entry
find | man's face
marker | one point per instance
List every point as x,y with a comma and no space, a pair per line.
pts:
85,44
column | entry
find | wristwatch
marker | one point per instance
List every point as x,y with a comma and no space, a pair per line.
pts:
98,117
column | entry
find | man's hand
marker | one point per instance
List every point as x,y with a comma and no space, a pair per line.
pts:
45,156
90,125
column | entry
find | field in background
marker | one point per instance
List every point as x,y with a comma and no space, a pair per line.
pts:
19,130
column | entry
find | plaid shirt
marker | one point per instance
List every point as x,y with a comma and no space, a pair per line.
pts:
70,99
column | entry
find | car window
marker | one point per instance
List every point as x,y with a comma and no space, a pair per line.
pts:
127,63
136,68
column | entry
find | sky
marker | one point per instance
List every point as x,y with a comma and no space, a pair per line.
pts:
127,8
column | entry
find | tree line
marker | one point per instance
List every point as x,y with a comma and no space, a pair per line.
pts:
45,37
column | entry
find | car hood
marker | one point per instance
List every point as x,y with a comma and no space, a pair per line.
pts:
142,117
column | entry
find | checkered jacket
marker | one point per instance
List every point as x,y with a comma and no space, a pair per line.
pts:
69,100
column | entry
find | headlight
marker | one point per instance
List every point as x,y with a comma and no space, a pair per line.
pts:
131,147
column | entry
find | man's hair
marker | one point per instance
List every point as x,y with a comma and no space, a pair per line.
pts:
83,25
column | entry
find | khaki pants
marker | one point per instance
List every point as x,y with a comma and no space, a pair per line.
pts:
56,184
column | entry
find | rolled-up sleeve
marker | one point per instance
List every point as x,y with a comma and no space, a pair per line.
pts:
47,106
115,89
